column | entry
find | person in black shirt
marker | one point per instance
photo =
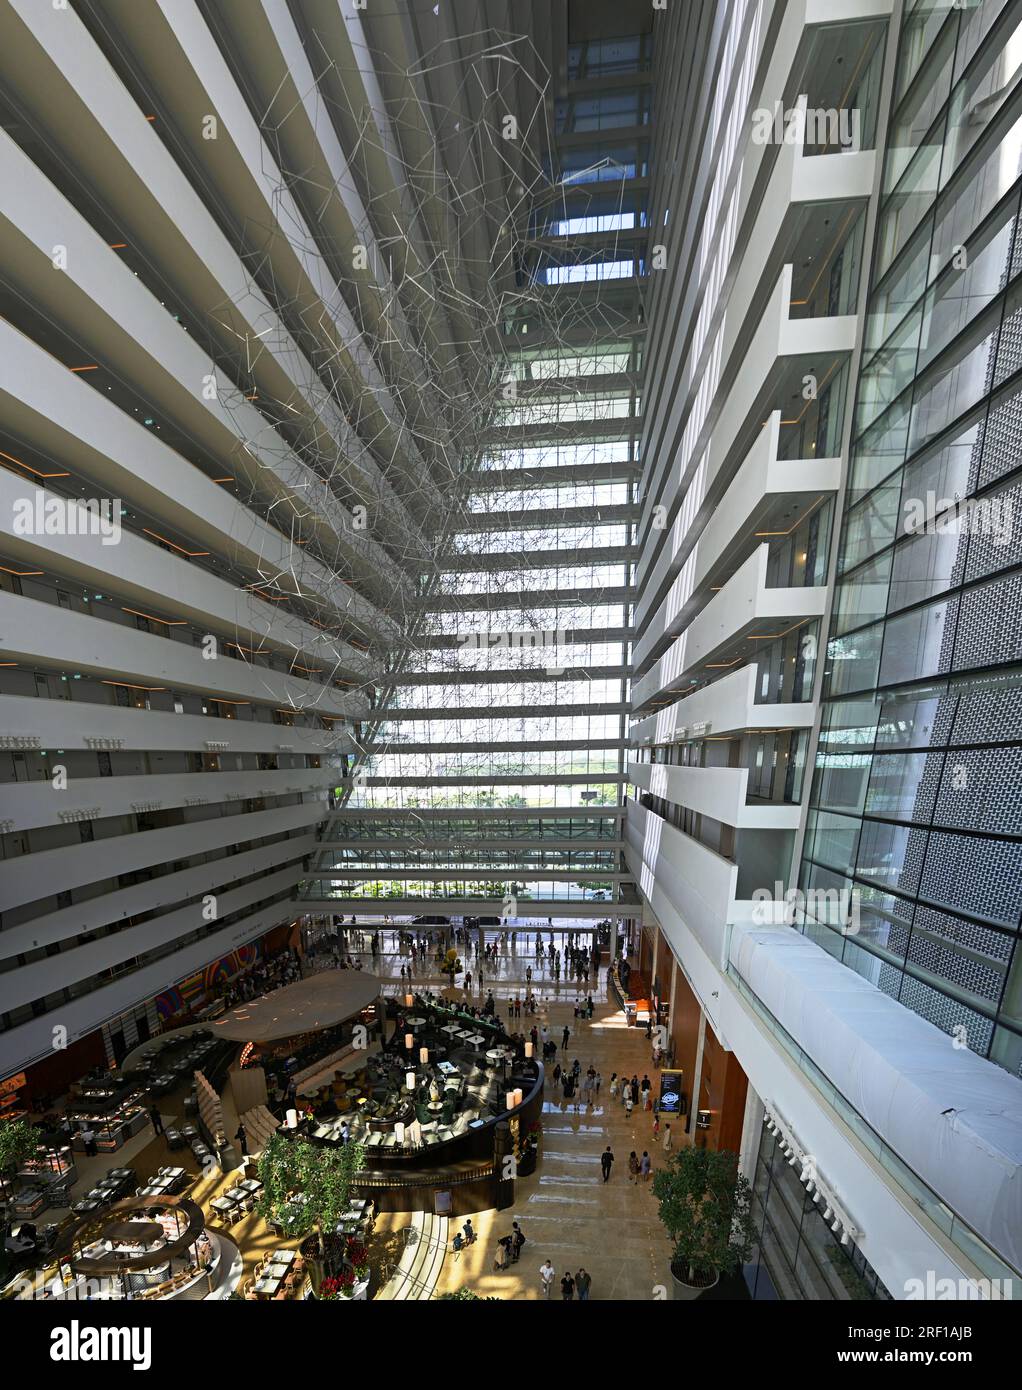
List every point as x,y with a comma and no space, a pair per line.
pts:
567,1288
517,1241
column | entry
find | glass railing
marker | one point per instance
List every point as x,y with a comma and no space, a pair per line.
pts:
972,1246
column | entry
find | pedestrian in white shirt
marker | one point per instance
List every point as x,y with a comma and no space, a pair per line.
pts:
546,1277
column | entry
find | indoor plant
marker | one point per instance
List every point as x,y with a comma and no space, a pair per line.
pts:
705,1205
306,1188
18,1142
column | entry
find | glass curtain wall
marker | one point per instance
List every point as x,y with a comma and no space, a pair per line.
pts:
916,798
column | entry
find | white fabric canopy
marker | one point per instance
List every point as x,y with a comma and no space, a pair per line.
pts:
953,1117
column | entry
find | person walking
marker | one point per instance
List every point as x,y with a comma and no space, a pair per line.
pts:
645,1165
583,1283
517,1241
633,1167
667,1141
564,1038
613,1085
647,1092
628,1102
157,1118
567,1287
606,1162
242,1139
546,1277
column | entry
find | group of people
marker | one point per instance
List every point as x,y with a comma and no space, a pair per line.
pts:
577,1089
584,1008
281,969
509,1247
571,1284
639,1169
516,1004
632,1091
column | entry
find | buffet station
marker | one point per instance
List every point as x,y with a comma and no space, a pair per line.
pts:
114,1110
44,1181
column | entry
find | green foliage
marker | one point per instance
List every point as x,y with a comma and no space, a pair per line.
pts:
705,1205
294,1168
18,1142
465,1295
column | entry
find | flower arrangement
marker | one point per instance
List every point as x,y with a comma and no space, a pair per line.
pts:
337,1286
357,1256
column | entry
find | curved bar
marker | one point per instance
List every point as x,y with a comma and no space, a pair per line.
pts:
91,1227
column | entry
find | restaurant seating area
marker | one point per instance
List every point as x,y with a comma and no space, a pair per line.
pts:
238,1200
123,1182
459,1066
138,1247
279,1275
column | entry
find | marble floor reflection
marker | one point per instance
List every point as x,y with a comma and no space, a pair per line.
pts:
567,1212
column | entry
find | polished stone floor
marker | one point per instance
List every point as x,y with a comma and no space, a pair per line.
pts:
567,1212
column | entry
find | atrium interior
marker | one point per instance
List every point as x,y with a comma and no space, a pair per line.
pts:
549,822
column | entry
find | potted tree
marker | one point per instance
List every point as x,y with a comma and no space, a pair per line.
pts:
705,1205
305,1193
18,1142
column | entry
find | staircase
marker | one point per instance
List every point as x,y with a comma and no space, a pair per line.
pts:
417,1271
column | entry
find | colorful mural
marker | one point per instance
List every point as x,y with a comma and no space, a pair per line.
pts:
192,992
